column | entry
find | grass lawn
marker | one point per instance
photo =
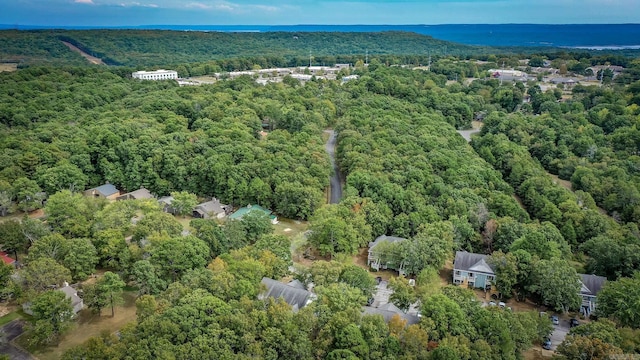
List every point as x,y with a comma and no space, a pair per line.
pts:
184,221
8,67
9,317
294,230
87,325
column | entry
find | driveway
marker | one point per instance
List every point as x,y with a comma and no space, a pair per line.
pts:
382,294
8,332
559,332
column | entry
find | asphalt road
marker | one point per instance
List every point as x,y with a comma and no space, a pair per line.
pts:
8,332
559,333
336,177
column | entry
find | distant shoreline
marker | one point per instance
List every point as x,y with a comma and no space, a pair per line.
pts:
571,36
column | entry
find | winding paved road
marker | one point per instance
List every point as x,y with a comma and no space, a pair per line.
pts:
336,177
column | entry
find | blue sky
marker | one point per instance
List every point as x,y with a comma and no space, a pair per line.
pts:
289,12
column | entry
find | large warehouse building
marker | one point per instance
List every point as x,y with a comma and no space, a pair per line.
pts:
155,75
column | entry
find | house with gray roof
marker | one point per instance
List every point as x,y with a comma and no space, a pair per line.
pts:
212,209
590,286
472,270
292,295
383,256
388,311
77,303
106,191
165,202
141,193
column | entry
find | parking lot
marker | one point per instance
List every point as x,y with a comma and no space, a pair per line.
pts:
559,333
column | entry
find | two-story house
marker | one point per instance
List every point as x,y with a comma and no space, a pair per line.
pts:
590,286
472,270
383,256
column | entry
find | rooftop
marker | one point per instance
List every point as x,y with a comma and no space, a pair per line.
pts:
388,311
385,238
249,208
467,261
591,284
6,259
159,71
106,189
141,193
71,294
297,298
211,207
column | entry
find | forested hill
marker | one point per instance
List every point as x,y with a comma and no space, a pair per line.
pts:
155,48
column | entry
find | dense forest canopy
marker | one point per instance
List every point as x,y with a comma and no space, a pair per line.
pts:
407,173
139,48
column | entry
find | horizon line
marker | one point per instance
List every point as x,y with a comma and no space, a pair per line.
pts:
14,25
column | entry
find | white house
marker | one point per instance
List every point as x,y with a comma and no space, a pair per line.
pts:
378,260
155,75
590,286
473,270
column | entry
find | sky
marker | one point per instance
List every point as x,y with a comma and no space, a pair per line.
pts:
293,12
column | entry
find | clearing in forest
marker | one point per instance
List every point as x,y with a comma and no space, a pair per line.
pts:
91,59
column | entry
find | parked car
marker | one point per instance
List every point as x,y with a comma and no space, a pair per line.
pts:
546,344
555,320
574,322
502,305
492,303
370,301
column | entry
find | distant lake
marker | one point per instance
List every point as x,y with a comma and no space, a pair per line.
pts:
591,36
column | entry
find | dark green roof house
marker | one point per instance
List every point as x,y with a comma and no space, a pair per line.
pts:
247,209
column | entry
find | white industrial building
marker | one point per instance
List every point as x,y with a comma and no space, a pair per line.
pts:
155,75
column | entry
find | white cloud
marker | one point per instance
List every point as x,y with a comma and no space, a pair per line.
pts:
199,6
83,1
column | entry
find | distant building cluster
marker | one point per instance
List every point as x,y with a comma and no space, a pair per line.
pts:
155,75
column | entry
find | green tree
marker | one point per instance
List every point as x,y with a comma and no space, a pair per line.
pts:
52,312
256,224
403,294
107,291
25,193
557,283
111,249
443,316
146,278
81,258
331,233
40,274
279,245
340,297
584,347
432,246
12,238
297,201
157,223
53,246
34,229
183,202
618,300
506,269
602,329
146,306
358,278
62,176
70,214
173,257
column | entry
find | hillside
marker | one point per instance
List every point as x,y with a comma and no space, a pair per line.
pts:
154,48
